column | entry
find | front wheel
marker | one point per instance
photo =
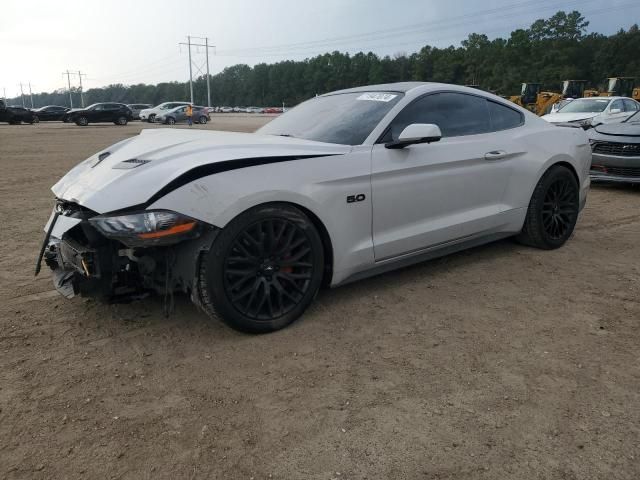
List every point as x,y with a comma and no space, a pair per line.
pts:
202,120
171,121
152,118
553,210
82,121
35,120
263,270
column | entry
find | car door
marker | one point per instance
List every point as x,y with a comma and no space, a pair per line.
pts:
181,114
97,114
426,195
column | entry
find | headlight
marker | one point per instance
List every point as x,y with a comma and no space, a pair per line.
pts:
160,227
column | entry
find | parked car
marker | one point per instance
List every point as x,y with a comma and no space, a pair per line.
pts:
50,113
595,109
226,109
273,110
346,185
558,105
616,151
149,115
136,108
117,113
179,115
15,115
254,110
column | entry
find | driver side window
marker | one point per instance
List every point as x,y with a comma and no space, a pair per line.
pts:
616,105
456,114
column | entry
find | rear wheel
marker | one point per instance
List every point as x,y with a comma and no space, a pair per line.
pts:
202,120
553,210
171,121
263,270
121,120
82,121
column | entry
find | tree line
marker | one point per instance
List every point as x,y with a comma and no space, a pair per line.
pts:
548,52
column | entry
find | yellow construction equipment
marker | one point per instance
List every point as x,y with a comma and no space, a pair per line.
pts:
532,98
617,87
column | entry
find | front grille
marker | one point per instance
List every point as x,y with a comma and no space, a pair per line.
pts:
617,149
620,171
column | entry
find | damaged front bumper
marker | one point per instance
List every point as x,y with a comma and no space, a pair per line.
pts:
85,262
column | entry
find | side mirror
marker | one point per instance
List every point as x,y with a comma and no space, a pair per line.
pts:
416,133
615,110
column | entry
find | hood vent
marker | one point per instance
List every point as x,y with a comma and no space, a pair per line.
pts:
129,164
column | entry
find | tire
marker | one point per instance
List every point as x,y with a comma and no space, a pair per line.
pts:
82,121
263,270
553,210
171,121
35,119
202,120
152,118
122,121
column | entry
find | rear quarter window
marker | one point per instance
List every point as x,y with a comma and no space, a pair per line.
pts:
503,117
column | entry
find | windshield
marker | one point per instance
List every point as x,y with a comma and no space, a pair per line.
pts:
585,105
344,118
633,118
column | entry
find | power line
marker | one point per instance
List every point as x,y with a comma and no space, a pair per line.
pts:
445,23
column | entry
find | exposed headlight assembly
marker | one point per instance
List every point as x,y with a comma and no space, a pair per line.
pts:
148,228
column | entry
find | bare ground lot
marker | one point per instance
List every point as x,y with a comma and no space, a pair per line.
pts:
502,362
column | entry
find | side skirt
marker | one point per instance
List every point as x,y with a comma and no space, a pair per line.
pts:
423,255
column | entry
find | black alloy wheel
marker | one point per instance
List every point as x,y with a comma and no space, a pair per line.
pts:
553,210
82,121
152,118
269,269
121,121
263,269
202,120
560,208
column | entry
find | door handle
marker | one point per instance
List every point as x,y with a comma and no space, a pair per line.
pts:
495,155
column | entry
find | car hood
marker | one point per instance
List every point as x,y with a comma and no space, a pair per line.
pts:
138,167
631,129
568,117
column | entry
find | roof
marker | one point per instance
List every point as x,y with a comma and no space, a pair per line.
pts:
401,87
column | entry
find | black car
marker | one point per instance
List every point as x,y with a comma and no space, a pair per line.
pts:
49,113
15,115
117,113
616,151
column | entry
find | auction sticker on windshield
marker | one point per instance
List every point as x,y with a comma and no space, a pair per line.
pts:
377,97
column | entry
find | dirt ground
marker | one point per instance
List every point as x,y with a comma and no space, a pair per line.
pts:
502,362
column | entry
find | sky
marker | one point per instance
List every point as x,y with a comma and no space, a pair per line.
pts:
137,41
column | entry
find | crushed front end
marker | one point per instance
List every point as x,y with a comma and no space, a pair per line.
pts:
122,256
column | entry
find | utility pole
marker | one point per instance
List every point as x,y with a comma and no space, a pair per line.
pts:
30,95
81,93
22,96
206,45
68,74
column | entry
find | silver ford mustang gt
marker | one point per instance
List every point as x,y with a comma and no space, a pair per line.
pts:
346,185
